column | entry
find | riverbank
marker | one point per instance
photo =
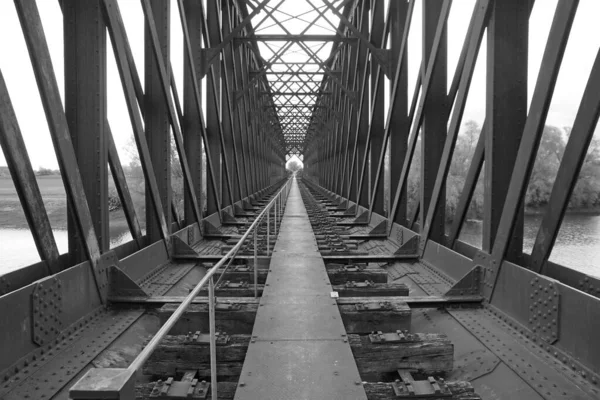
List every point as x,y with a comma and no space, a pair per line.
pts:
55,202
571,211
539,212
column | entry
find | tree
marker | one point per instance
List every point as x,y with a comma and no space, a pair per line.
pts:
136,180
549,155
294,166
587,190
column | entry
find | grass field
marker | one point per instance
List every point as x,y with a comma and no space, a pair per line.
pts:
55,201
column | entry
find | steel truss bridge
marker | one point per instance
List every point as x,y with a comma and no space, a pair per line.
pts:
320,284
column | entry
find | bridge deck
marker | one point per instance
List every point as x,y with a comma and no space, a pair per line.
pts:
299,348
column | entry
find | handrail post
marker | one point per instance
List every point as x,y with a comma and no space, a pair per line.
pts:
255,263
268,231
213,339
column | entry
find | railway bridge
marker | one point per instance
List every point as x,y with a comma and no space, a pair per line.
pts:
348,279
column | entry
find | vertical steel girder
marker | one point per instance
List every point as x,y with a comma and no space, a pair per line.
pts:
85,108
532,132
433,133
213,113
377,119
231,147
156,117
437,199
506,111
191,114
399,120
361,121
418,118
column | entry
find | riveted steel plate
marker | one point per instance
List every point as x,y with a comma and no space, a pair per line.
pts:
469,284
46,301
312,317
544,308
294,369
302,281
107,260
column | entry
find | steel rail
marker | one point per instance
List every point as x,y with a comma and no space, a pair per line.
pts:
162,332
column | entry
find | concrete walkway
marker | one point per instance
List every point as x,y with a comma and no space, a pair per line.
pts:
299,348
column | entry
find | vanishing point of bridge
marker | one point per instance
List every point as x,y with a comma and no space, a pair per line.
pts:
336,282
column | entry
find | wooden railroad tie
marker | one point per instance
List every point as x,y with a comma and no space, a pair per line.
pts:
363,315
371,289
236,315
426,353
340,274
178,353
233,315
379,355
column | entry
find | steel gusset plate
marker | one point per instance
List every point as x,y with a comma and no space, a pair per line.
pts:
46,301
164,278
48,373
548,377
544,308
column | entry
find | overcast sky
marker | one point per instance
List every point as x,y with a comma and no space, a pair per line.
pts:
16,67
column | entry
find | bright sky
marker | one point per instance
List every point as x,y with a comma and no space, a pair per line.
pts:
581,51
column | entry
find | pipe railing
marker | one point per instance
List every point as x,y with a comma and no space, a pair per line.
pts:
276,204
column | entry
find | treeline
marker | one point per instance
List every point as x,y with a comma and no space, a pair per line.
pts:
137,183
47,171
586,195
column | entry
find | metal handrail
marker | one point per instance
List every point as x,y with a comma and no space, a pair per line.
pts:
121,380
162,332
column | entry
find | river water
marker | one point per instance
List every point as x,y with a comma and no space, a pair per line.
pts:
17,248
577,245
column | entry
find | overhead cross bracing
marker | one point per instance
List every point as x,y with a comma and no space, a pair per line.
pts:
300,44
370,263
